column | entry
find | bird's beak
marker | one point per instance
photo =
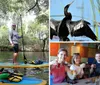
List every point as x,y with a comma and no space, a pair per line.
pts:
71,2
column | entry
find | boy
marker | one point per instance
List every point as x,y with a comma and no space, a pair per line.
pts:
96,65
58,68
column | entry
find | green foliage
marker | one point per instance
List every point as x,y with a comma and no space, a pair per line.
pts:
34,31
3,35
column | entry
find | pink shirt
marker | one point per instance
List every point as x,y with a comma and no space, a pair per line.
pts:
58,72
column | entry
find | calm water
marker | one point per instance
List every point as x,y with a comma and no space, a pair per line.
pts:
30,72
8,56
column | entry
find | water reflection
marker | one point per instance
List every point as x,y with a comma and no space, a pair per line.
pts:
8,56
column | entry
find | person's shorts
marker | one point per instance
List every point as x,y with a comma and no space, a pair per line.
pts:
16,48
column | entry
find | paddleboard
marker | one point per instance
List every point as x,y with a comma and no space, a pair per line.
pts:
25,81
22,65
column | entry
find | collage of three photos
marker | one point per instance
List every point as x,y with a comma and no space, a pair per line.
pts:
49,42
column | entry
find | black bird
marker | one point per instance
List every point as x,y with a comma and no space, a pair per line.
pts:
75,28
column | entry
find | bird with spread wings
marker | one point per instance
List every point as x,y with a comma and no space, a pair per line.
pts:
66,26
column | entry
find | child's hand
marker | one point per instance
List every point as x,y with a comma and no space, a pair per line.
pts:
82,65
54,62
93,66
74,73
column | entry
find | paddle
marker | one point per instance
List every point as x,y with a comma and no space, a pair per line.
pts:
25,59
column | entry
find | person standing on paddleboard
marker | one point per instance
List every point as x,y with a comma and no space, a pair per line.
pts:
13,38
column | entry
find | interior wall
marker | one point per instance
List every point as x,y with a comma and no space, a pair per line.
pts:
86,50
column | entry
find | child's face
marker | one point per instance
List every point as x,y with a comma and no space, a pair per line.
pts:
77,60
61,56
97,57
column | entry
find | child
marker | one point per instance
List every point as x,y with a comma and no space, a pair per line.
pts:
76,67
58,68
96,65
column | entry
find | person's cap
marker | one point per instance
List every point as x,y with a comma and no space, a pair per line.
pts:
13,25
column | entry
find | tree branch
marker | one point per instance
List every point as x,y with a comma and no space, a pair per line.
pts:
33,6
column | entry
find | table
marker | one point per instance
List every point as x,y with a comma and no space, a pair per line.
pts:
82,82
